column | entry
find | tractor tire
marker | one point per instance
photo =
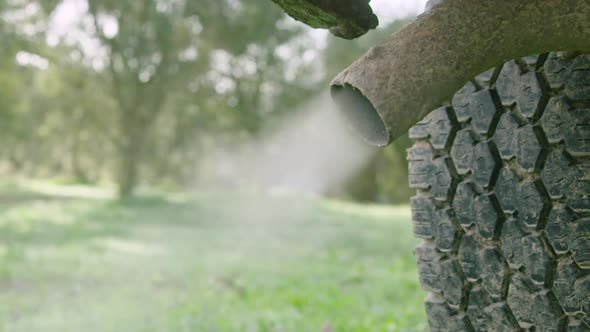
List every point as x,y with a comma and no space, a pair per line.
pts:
502,175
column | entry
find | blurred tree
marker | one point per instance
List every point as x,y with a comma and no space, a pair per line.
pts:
133,91
155,49
144,42
17,17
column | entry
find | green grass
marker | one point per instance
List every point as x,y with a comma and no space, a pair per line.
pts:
214,262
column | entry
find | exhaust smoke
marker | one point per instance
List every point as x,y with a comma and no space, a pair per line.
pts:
360,114
312,150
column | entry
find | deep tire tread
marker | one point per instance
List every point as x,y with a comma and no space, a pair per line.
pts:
503,204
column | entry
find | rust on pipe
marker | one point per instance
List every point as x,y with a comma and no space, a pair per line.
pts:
398,82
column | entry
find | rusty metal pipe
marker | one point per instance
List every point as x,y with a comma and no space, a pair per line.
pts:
398,82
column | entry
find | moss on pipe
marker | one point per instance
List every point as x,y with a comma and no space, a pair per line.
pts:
344,18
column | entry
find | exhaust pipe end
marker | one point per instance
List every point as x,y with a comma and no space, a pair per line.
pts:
360,114
399,81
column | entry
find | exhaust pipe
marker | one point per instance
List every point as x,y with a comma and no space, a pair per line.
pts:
395,84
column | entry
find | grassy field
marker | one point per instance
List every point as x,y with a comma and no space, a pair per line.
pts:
71,259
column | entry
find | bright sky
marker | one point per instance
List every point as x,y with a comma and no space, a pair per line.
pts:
66,19
389,10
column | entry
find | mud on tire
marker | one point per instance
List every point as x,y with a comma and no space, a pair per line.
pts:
503,199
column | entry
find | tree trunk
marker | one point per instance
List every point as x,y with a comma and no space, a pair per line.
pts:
128,175
130,155
76,167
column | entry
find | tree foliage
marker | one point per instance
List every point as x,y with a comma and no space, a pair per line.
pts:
137,93
135,90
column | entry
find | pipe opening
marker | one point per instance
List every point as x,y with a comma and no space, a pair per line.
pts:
360,114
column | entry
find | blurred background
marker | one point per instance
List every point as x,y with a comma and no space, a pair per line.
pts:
176,165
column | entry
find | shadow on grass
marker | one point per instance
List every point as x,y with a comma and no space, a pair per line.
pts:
28,217
245,259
